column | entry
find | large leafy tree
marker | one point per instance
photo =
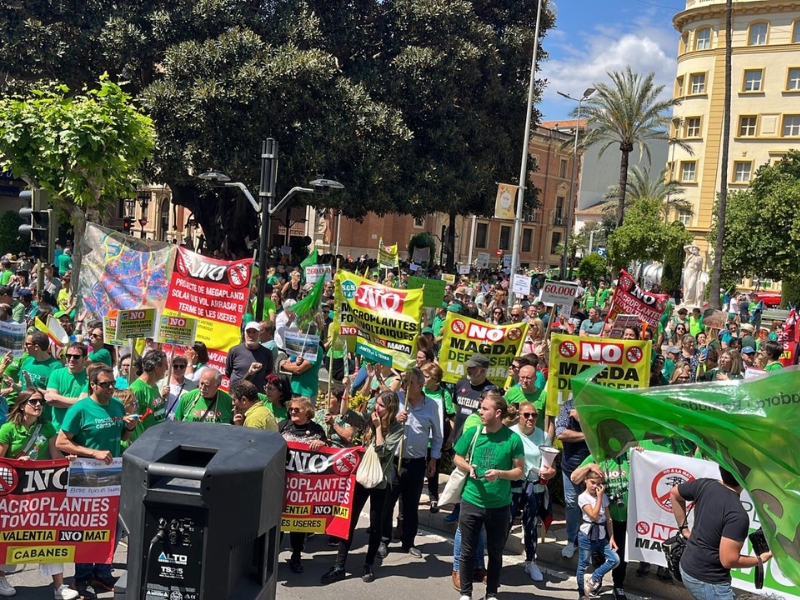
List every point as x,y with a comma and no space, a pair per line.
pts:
762,226
627,112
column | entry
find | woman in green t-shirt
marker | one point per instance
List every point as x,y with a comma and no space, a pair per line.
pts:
447,415
26,436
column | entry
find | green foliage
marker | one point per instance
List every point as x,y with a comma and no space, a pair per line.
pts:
422,239
790,292
642,185
644,236
593,267
673,262
10,239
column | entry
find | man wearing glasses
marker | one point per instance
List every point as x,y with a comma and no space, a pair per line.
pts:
66,385
516,314
208,403
145,389
40,364
527,391
93,428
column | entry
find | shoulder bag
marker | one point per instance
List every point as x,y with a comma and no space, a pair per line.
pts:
458,478
370,471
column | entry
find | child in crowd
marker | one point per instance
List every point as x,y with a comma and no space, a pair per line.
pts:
596,535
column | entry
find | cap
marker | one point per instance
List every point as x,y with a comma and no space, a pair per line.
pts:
428,330
461,290
253,325
747,327
60,314
673,350
748,350
25,293
478,360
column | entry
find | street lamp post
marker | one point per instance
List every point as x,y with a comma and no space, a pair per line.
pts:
565,258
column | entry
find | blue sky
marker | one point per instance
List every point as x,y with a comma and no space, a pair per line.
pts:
593,37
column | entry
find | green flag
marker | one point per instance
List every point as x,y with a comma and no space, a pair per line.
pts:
750,427
306,308
310,260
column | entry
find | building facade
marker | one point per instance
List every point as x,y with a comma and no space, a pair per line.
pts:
765,98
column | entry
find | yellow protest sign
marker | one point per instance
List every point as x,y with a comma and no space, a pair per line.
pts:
384,322
627,365
462,337
388,256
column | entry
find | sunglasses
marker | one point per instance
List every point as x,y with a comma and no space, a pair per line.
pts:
106,384
294,410
529,415
74,356
35,402
515,316
178,366
515,367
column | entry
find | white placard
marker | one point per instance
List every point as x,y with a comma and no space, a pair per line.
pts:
421,255
482,262
507,261
463,269
314,272
521,285
286,250
559,292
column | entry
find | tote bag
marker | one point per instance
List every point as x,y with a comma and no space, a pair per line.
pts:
458,478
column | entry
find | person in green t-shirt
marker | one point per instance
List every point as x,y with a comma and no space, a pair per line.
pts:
64,262
144,388
65,386
526,391
279,393
208,403
39,364
305,375
497,458
773,350
99,352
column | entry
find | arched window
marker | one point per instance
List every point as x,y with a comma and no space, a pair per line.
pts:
757,35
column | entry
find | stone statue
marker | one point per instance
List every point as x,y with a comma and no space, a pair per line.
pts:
694,279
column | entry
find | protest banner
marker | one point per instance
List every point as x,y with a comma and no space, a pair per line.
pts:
433,290
388,256
621,323
482,261
385,320
464,269
138,323
631,299
215,292
627,365
448,278
176,330
789,354
504,201
521,285
559,292
421,255
507,261
12,338
314,272
110,329
42,522
651,520
318,492
297,343
747,426
462,337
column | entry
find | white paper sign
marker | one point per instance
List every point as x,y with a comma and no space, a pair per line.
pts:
559,292
507,261
482,262
463,269
521,285
314,272
421,255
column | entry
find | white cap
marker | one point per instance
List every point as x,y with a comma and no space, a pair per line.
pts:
253,325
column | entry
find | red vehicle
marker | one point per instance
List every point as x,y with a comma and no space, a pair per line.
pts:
770,299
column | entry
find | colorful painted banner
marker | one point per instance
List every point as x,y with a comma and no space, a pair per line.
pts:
318,493
385,320
631,299
433,290
122,272
747,426
627,365
55,512
462,337
216,293
651,520
504,201
138,323
388,256
177,330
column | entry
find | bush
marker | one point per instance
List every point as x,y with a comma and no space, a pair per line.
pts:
790,292
422,239
593,267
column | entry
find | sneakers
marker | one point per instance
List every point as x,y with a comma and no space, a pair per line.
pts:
413,551
295,564
465,597
594,588
105,584
368,576
6,589
434,507
568,551
619,594
533,571
490,597
64,592
332,576
383,550
82,587
456,581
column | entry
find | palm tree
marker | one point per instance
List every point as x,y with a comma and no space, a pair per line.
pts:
627,112
641,185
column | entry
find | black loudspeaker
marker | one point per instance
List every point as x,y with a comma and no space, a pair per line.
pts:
203,505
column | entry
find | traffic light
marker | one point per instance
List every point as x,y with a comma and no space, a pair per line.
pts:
41,227
127,225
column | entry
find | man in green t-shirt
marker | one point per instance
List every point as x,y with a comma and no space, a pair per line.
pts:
64,262
497,459
526,391
65,386
39,365
94,428
305,375
207,403
144,388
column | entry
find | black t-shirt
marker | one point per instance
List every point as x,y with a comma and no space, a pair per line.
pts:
306,433
467,399
718,513
241,357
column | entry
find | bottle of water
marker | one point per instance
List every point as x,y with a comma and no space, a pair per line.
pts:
34,453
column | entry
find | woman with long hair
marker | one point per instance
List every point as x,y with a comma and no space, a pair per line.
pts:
535,342
279,393
197,355
27,436
384,432
730,367
293,287
689,354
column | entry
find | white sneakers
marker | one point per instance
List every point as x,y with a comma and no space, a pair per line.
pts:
6,589
533,571
465,597
568,551
64,592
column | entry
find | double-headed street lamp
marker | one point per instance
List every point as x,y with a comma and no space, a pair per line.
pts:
586,94
266,196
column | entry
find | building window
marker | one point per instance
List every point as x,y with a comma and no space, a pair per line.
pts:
688,171
555,241
747,126
481,235
684,42
741,171
698,83
562,168
121,209
752,80
419,222
796,32
757,35
505,237
791,126
685,217
702,39
793,81
527,239
559,216
693,127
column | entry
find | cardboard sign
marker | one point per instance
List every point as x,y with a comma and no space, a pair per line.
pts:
448,278
177,330
559,292
432,292
482,262
521,285
137,323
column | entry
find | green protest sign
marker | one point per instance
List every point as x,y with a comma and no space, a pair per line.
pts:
749,427
432,290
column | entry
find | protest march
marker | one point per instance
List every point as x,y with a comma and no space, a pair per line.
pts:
498,400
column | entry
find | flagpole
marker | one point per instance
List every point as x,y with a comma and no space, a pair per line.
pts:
331,350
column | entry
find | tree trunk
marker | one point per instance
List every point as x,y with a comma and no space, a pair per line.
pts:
451,243
78,218
623,185
716,273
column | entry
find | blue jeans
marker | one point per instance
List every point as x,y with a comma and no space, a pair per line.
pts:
586,548
100,570
573,511
479,552
707,591
530,512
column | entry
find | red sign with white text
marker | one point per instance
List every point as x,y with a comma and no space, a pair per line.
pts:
631,299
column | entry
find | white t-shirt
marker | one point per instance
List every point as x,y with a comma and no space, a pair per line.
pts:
587,500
